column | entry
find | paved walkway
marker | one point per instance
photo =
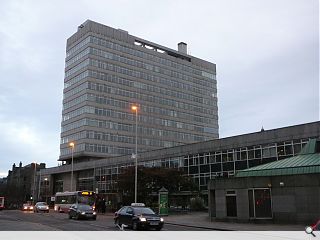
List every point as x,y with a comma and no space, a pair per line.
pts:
201,219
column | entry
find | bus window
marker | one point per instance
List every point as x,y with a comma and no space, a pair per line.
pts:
89,200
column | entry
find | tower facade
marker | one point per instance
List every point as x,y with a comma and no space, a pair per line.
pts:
107,71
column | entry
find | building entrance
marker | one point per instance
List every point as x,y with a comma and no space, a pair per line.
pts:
231,204
260,203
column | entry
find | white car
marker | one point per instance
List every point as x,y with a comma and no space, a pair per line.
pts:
41,207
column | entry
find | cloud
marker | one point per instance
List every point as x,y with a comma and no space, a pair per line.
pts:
3,174
24,142
267,56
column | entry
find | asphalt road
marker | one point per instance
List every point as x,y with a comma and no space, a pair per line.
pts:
16,220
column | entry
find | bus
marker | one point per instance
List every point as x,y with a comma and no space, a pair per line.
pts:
1,203
64,200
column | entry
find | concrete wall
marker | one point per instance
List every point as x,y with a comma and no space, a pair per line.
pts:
296,201
242,205
221,210
67,181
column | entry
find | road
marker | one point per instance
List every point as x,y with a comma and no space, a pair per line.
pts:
16,220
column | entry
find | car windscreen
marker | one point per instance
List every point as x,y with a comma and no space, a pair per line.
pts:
84,207
41,204
139,211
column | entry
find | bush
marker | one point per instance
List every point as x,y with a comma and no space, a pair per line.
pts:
196,204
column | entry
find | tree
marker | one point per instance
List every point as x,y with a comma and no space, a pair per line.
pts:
150,180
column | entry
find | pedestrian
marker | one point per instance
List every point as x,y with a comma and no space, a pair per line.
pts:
103,205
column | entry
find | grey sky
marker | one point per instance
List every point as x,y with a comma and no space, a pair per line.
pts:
267,56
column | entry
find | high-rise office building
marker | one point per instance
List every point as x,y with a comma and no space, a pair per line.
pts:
107,71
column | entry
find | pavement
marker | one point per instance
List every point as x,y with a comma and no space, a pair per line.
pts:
202,220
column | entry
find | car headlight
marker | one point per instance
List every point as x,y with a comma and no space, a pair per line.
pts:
142,219
94,213
31,207
161,220
83,213
24,207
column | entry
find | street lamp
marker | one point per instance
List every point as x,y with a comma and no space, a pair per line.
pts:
135,108
71,144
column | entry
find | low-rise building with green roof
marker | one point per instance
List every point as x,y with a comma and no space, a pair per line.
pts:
287,190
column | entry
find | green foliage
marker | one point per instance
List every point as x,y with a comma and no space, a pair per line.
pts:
150,180
196,204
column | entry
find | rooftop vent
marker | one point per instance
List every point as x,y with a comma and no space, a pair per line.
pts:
182,47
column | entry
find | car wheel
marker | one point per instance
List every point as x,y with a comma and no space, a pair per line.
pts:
70,217
135,226
94,218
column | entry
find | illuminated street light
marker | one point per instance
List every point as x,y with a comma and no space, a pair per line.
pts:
135,108
71,144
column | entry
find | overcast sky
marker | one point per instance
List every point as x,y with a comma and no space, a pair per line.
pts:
267,56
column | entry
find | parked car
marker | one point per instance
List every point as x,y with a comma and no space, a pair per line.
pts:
82,211
41,207
27,207
138,216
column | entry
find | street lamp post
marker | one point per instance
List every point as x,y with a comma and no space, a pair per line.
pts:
39,186
72,150
46,191
34,182
135,108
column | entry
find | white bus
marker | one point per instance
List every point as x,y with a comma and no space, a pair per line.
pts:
64,200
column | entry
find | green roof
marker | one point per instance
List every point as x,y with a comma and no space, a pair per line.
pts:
307,161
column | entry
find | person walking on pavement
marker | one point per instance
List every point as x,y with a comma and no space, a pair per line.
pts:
103,206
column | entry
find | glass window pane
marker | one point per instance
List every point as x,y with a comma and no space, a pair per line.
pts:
262,203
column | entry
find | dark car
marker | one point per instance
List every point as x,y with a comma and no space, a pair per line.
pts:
41,207
138,217
82,211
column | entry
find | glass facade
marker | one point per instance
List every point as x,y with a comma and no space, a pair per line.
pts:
200,166
104,76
